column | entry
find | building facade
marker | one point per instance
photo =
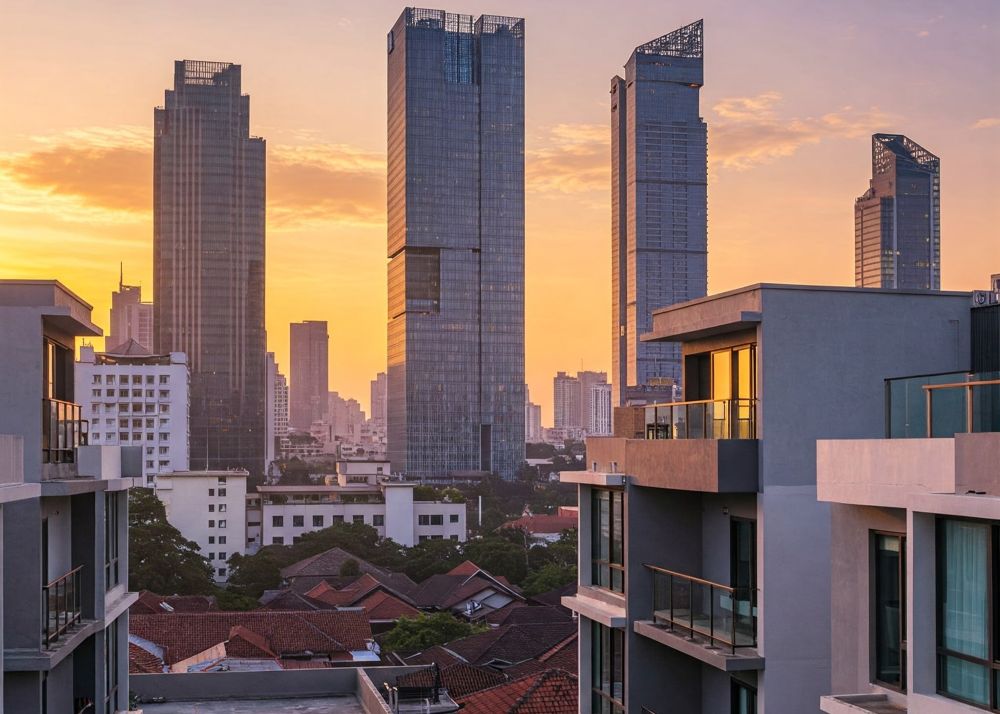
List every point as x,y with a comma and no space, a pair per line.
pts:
276,396
310,363
130,318
532,422
704,570
379,396
599,413
208,258
360,492
132,398
659,201
64,513
588,379
897,222
209,508
455,243
566,401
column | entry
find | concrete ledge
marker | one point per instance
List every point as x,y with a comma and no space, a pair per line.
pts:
745,659
73,487
24,660
113,608
592,478
19,492
597,610
857,703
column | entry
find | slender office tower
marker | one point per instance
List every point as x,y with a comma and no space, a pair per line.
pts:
208,259
308,392
897,222
659,202
456,243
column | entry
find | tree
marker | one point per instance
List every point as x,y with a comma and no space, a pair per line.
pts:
430,558
426,493
412,634
160,558
350,568
251,575
549,577
498,556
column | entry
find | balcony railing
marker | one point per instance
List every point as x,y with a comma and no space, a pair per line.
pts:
62,431
717,614
705,419
61,605
943,405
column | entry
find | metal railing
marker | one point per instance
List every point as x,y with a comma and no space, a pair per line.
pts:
943,405
716,613
704,419
61,605
62,431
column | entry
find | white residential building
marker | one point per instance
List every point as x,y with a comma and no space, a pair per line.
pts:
360,492
276,394
599,417
208,507
133,398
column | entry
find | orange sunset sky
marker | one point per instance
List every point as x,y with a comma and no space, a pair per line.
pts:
793,90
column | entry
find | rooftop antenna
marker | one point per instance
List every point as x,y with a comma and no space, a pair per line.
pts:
121,276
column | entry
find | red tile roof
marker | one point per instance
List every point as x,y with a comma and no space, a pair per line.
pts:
466,567
550,692
382,606
511,643
459,679
142,662
149,603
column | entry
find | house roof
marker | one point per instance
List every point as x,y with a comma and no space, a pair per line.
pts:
523,614
462,583
459,679
182,635
382,606
291,601
563,656
129,348
327,563
511,643
141,661
149,603
553,691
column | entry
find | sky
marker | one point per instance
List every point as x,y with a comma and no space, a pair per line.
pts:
793,91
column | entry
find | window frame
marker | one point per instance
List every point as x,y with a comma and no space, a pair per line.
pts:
602,700
597,563
873,536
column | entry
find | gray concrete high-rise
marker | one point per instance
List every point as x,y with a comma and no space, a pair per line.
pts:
208,258
130,318
897,222
659,173
455,243
309,380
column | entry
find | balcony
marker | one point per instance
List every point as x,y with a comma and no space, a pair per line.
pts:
705,419
62,431
712,622
942,405
61,606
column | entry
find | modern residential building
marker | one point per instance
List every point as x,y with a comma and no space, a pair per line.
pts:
276,397
130,397
456,243
532,421
64,517
379,396
566,400
588,379
897,222
208,259
310,360
599,415
209,508
704,570
915,519
360,492
130,318
659,172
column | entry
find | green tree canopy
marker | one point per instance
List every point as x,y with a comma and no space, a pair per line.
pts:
549,577
419,633
499,556
431,557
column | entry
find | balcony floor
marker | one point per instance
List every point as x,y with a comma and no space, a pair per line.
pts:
702,626
857,703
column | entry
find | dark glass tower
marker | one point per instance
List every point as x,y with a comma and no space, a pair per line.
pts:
310,361
659,202
897,222
456,243
208,258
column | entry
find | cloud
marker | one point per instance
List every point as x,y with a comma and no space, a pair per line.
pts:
750,131
573,158
987,123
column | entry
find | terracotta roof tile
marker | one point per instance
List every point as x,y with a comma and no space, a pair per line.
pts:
142,662
511,643
381,605
459,679
538,614
550,692
149,603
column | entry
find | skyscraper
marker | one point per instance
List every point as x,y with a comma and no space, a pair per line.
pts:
456,243
276,422
379,394
658,201
208,258
309,381
588,379
567,396
897,222
131,318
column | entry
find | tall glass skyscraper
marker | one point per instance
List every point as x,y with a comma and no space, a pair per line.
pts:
897,222
208,259
308,394
456,243
659,201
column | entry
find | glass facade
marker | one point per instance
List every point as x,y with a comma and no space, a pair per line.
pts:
308,385
889,609
659,201
607,648
455,243
208,259
607,529
897,222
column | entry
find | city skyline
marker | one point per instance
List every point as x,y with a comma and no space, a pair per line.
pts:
789,149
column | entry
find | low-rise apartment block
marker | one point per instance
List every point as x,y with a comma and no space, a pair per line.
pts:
64,516
704,570
360,492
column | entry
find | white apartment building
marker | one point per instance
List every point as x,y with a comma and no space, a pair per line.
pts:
360,492
133,398
208,507
599,417
276,395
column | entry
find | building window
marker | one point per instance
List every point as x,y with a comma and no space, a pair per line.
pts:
110,668
112,516
211,524
423,520
222,555
422,539
607,669
211,555
337,519
743,698
164,378
358,519
222,539
298,521
453,518
378,520
317,521
211,540
149,379
453,537
966,646
222,524
889,570
222,493
277,521
606,539
222,572
211,492
278,540
211,508
437,519
222,508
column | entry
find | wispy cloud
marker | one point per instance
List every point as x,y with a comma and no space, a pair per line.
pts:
573,158
987,123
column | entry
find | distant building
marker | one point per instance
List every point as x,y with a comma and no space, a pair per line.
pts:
208,507
276,387
587,381
130,319
456,243
133,398
360,492
533,422
599,416
379,395
897,222
208,258
566,399
310,362
659,200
